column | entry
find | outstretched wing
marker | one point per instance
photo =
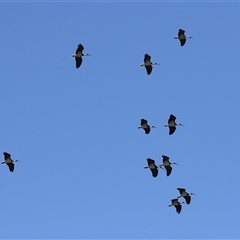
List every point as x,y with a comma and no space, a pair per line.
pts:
149,69
188,199
182,41
171,118
180,32
154,172
171,130
165,158
178,208
168,169
150,161
143,121
147,130
78,61
11,166
147,57
80,48
181,190
6,155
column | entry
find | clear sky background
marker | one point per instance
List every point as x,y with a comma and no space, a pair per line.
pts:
75,131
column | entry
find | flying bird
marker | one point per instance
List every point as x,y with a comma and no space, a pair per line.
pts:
185,195
145,126
172,124
148,64
167,164
79,54
181,36
177,205
9,161
152,166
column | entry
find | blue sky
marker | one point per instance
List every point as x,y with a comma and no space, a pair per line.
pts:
75,131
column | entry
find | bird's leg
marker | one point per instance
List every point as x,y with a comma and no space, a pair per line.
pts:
161,166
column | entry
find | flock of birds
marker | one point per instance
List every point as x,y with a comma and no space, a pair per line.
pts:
166,163
144,125
172,128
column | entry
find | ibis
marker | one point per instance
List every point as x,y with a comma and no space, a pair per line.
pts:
8,160
167,164
152,166
79,54
172,124
181,36
148,64
177,205
185,195
145,126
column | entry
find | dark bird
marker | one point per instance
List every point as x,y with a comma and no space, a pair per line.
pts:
152,166
148,64
167,164
185,195
79,54
177,205
181,36
172,124
9,161
145,126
